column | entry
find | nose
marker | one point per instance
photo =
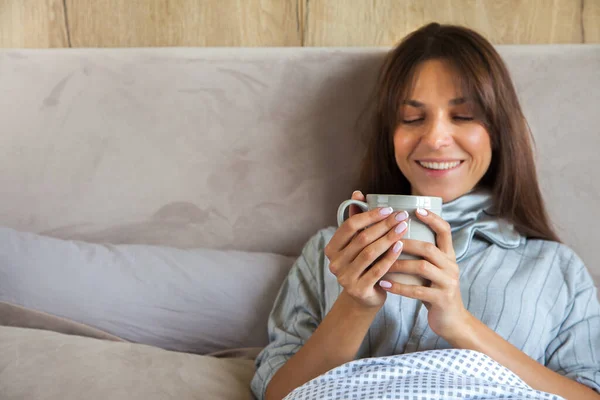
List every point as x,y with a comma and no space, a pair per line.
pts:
438,134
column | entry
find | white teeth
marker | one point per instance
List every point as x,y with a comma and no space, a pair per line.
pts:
436,165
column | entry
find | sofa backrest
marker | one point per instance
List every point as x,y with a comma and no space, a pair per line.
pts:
250,149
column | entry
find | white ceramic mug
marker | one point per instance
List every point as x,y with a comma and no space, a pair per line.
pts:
416,230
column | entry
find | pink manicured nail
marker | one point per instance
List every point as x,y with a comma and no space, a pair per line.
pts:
422,211
356,191
385,284
397,247
402,216
386,211
401,227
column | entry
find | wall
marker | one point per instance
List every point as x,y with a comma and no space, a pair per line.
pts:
127,23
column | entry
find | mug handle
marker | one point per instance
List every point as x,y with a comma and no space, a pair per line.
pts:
345,204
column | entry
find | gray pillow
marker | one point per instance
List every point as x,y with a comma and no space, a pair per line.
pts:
199,300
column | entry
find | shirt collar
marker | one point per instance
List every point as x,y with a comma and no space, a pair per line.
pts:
470,216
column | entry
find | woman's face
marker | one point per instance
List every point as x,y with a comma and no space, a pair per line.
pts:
439,146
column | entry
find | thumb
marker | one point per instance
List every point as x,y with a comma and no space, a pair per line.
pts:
356,195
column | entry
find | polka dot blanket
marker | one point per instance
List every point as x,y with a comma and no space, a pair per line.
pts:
427,375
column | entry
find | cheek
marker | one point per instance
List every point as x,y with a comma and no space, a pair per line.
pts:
477,143
403,145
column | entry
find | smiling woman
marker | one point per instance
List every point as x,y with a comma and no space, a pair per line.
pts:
446,122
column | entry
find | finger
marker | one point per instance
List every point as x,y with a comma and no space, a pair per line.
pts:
354,209
359,222
425,269
342,256
368,255
441,228
369,243
429,252
425,294
381,267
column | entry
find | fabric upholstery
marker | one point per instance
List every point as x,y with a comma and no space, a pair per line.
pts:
22,317
247,149
43,365
193,300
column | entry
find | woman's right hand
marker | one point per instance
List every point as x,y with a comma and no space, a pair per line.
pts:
358,245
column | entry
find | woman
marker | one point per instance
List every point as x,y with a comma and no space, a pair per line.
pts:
447,123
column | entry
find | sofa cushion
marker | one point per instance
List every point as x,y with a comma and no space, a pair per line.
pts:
33,361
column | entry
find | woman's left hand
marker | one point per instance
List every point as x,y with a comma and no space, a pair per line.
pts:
447,314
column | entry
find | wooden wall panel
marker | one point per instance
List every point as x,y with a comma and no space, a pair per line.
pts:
591,21
360,23
32,23
128,23
139,23
384,22
513,21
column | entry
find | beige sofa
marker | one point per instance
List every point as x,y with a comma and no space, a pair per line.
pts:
245,149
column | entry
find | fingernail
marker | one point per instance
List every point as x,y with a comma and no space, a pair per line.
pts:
401,227
356,191
385,284
397,247
386,211
422,211
402,216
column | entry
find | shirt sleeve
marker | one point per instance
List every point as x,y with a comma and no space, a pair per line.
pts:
295,315
575,351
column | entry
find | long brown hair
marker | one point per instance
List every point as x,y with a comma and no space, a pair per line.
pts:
484,78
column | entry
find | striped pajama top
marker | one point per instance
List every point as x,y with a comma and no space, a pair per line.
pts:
536,294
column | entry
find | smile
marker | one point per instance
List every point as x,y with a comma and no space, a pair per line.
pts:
439,165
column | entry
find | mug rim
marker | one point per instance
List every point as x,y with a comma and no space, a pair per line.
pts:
407,200
403,195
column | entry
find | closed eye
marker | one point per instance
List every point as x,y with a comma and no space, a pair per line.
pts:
418,120
412,121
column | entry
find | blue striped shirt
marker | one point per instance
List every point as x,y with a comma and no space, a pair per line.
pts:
536,294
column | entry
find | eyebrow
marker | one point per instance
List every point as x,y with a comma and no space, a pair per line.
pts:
454,102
